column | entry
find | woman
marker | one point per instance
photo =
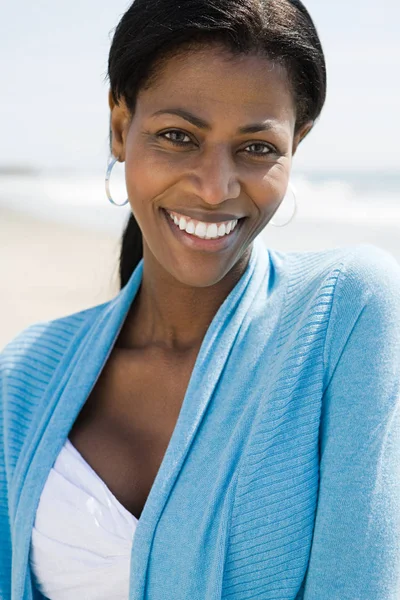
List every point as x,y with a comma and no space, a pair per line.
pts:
227,426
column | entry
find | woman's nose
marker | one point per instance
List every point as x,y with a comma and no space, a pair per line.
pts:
217,177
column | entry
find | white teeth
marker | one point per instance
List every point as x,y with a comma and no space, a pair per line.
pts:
212,231
221,230
190,227
203,230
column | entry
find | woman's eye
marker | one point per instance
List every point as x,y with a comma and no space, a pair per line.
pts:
174,132
267,148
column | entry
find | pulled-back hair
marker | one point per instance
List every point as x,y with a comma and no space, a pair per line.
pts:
152,31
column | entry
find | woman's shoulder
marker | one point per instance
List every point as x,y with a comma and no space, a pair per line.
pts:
370,268
336,286
367,273
365,305
362,269
43,343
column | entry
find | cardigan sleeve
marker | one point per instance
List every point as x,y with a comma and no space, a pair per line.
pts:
355,552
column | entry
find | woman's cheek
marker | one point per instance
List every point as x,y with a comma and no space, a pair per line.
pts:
268,192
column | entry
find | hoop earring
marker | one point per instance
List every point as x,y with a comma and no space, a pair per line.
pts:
107,182
292,195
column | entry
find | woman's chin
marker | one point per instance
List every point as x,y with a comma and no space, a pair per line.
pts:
197,276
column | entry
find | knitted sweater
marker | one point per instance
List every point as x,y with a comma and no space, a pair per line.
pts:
282,476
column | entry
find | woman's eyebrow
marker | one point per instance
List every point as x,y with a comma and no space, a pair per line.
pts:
266,125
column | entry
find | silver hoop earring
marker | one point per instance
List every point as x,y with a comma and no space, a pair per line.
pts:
291,196
107,181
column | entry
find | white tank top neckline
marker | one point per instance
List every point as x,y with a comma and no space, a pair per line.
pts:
82,536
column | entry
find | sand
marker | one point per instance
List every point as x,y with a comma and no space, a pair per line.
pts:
50,270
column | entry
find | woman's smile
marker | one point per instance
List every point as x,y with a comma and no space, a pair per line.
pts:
193,233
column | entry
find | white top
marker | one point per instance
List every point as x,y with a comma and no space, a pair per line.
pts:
82,535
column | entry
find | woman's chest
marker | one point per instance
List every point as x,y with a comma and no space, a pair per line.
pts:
125,426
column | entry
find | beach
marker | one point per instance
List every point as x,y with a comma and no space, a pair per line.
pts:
49,270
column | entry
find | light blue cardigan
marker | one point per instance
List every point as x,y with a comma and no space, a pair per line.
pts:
282,476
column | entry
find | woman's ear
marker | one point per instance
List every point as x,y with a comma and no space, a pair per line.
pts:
119,123
301,134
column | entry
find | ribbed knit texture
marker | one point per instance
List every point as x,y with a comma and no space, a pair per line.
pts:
282,477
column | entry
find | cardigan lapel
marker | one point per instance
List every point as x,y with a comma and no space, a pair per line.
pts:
213,355
73,381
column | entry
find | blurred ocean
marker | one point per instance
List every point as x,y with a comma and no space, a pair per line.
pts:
333,208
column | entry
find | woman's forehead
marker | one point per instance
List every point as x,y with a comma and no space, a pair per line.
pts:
238,88
219,66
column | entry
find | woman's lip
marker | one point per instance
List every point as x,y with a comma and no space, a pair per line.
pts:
196,243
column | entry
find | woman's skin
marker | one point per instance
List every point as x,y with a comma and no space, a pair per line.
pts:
219,170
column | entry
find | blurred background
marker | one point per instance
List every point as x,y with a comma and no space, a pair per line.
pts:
59,234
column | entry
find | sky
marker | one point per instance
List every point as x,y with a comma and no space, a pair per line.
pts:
54,108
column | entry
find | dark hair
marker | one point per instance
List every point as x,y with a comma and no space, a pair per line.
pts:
152,31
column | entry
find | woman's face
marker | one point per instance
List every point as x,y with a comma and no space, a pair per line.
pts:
200,164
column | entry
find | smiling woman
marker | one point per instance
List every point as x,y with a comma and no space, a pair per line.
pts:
227,427
214,169
218,67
